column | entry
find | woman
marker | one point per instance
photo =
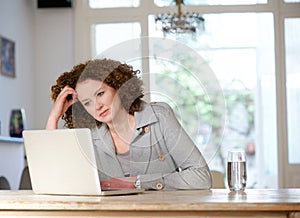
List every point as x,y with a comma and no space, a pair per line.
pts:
137,145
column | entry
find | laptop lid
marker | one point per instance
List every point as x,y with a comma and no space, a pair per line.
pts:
62,162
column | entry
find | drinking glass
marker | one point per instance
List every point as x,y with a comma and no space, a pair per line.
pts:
236,170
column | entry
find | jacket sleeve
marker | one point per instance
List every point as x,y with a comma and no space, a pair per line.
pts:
192,170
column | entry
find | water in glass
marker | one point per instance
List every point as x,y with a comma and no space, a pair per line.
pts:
236,171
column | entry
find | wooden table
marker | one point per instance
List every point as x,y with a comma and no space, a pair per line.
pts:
193,203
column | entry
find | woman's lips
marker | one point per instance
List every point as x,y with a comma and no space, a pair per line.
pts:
104,113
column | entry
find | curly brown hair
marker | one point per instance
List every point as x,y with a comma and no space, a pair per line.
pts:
119,76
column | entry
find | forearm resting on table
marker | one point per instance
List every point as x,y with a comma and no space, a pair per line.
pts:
120,182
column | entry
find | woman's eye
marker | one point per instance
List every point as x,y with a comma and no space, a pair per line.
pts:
100,93
86,104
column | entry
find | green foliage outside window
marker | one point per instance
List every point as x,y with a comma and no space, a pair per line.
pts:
198,111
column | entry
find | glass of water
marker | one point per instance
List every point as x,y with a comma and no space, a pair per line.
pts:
236,170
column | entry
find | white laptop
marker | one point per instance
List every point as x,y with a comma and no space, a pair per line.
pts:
62,162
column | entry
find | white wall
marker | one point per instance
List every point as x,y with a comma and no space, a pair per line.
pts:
16,23
44,49
54,55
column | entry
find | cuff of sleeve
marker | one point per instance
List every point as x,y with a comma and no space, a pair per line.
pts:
152,181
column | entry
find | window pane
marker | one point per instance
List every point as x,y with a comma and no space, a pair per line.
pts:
114,3
239,50
292,59
291,1
162,3
222,31
107,38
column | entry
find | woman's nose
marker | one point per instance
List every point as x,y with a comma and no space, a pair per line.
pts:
98,104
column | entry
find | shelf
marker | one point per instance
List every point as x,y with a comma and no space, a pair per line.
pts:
11,139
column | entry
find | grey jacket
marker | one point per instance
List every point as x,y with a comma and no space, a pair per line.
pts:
161,152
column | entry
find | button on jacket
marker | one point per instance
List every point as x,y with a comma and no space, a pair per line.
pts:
161,152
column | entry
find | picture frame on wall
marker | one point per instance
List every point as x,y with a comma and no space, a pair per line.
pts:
17,122
7,62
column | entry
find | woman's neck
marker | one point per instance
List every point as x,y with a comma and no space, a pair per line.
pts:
121,130
123,121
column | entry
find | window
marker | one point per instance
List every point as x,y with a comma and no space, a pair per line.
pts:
107,39
162,3
241,56
291,1
238,48
113,4
292,50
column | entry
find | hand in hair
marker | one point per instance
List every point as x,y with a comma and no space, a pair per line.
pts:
64,100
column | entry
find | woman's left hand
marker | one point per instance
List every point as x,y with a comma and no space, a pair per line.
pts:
118,182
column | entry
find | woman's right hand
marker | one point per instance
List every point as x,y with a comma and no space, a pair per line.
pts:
61,105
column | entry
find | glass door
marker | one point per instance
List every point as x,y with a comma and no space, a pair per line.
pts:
238,49
291,158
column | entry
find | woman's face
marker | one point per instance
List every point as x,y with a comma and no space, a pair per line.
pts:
99,99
